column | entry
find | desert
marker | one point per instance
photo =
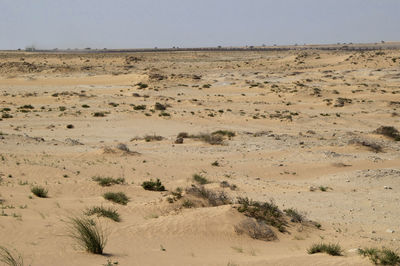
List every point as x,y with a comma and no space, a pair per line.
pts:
220,157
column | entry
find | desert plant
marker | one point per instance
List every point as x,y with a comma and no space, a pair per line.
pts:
153,185
213,198
267,212
382,256
200,179
9,258
331,249
255,229
149,138
388,131
226,133
295,216
117,197
104,212
88,234
39,191
139,107
108,181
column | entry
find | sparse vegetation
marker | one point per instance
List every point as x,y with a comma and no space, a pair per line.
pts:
108,181
266,212
110,213
39,191
87,234
153,185
212,198
117,197
10,258
382,256
331,249
255,229
388,131
295,216
200,179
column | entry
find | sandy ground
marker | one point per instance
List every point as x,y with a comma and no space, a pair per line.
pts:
299,119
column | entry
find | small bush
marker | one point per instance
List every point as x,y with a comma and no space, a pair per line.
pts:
267,212
200,179
187,204
382,256
139,107
295,216
10,259
149,138
388,131
153,185
88,234
209,138
225,133
104,212
255,229
39,191
331,249
213,198
183,135
117,197
108,181
99,114
160,107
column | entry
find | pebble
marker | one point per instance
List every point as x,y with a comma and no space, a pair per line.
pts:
390,231
386,187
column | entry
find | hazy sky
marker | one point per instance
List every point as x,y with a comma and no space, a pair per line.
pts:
194,23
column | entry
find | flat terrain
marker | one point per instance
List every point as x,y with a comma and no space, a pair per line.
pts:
304,136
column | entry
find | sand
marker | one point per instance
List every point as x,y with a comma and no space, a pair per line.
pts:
300,118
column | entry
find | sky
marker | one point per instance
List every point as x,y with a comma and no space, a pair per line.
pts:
48,24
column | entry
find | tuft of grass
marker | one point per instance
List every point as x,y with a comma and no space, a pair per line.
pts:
154,137
266,212
108,181
382,256
295,216
9,258
213,198
225,133
39,191
110,213
200,179
209,138
153,185
117,197
87,234
331,249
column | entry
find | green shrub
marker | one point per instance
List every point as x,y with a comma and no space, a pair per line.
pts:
213,198
108,181
200,179
331,249
117,197
225,133
153,185
104,212
382,256
39,191
88,234
267,212
295,216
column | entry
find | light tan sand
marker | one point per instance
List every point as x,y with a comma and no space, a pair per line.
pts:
289,137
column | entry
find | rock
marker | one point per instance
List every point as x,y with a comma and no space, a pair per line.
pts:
179,141
390,231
